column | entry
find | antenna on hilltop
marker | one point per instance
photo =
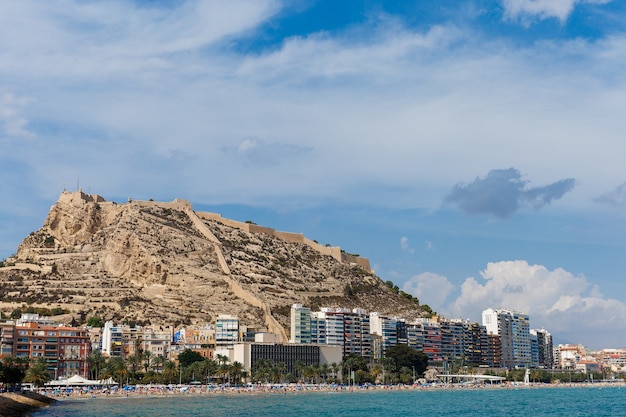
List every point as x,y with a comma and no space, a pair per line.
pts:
78,183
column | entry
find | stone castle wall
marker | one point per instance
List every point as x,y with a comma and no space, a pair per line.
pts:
334,251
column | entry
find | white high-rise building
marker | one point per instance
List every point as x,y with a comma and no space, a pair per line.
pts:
226,331
514,331
544,348
300,324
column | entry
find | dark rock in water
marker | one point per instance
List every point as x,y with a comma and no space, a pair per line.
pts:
14,404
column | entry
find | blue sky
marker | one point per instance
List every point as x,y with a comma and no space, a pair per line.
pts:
472,150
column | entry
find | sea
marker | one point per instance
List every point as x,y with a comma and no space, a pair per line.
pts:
506,402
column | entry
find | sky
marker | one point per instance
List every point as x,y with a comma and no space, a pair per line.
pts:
472,150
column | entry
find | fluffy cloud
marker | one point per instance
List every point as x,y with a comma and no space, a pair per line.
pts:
565,304
502,192
542,9
430,288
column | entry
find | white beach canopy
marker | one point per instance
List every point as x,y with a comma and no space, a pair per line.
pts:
78,380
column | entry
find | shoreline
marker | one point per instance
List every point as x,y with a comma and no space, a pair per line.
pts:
186,391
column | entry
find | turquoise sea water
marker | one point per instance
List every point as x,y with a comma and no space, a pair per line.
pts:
526,402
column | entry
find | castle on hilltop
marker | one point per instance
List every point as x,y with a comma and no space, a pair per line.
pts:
184,205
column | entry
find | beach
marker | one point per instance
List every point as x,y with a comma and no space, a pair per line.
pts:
507,400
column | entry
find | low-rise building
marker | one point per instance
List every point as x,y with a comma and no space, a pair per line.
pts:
248,354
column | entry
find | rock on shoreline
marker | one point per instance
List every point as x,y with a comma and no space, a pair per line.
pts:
14,404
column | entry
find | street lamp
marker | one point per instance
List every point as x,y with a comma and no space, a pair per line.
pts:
413,374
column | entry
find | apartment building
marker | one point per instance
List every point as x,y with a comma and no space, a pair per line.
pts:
125,340
300,324
514,331
65,348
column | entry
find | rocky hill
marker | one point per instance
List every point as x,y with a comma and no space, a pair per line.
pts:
164,263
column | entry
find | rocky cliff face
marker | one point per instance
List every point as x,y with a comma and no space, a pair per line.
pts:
160,263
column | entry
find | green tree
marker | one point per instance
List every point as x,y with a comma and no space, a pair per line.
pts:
95,322
96,362
115,368
237,370
170,370
406,356
363,377
388,365
157,363
12,370
38,373
352,363
188,356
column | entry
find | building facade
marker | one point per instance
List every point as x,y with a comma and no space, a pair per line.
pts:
300,324
65,348
514,331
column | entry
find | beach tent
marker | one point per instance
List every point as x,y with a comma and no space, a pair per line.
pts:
79,381
108,381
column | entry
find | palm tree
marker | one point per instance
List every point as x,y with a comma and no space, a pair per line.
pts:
224,371
335,369
146,356
117,369
236,369
38,373
211,369
388,365
157,363
96,361
376,371
169,370
324,369
406,374
299,366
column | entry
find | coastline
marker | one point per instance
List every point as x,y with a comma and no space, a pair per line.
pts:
278,389
17,404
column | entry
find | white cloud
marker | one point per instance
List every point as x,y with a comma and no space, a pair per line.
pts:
404,244
543,9
429,288
12,121
565,304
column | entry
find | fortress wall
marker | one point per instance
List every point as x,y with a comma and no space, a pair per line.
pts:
253,228
362,262
290,237
176,204
333,251
227,222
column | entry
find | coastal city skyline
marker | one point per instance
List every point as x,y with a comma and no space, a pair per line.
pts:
504,341
470,149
